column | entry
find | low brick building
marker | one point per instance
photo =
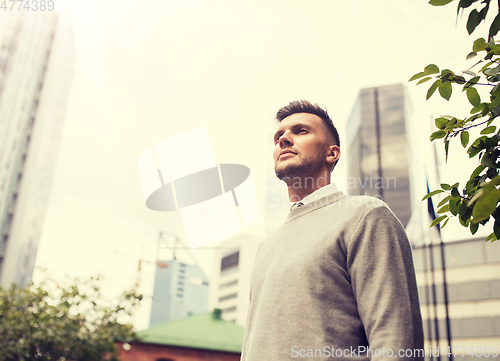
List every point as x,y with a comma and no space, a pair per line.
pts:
196,338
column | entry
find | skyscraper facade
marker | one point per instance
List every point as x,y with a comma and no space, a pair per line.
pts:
180,290
230,281
378,157
35,70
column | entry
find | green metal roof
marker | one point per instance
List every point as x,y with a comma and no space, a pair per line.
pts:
205,331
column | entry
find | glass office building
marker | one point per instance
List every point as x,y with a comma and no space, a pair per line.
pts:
36,57
180,290
378,157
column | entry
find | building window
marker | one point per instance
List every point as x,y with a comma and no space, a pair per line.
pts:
230,309
182,264
179,295
230,261
181,277
228,297
182,271
180,289
181,283
228,284
205,283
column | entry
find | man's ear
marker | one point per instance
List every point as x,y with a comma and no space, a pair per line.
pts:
333,154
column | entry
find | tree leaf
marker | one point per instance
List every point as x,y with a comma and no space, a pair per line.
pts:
474,227
471,82
488,130
477,171
445,90
473,151
479,45
445,186
454,204
441,122
484,11
433,193
464,138
444,200
424,80
432,89
470,56
496,229
444,209
431,69
437,220
491,237
495,26
492,71
486,204
474,19
439,2
468,72
437,135
465,4
445,222
446,148
416,76
473,97
494,102
454,192
486,160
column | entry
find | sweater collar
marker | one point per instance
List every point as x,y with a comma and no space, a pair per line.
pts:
318,193
329,197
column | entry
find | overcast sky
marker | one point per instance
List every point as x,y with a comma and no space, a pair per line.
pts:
147,70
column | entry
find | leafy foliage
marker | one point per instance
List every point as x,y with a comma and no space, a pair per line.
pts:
49,322
477,202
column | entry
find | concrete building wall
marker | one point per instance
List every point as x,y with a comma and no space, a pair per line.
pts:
473,287
230,286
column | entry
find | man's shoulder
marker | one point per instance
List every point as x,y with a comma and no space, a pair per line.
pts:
360,203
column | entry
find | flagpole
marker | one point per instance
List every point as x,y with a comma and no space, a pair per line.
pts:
443,267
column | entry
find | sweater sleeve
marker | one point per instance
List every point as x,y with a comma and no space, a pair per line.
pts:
380,265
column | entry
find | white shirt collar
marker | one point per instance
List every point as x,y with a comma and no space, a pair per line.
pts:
319,193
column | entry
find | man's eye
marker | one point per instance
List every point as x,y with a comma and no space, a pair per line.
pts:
302,130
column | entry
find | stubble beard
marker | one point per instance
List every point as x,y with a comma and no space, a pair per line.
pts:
308,167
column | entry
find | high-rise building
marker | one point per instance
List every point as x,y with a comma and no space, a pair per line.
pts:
230,283
473,296
378,150
36,57
180,290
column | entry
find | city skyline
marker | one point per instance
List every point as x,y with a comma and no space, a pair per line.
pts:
146,71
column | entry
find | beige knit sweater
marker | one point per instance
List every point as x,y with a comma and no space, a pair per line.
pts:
335,280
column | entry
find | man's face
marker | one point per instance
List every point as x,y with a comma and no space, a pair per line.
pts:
301,146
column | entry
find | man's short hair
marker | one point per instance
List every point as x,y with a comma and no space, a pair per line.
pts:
304,106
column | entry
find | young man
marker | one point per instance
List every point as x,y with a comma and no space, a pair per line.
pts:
336,281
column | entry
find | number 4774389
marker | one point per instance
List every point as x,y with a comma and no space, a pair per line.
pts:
27,5
473,351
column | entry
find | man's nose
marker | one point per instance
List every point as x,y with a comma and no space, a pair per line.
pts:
285,140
